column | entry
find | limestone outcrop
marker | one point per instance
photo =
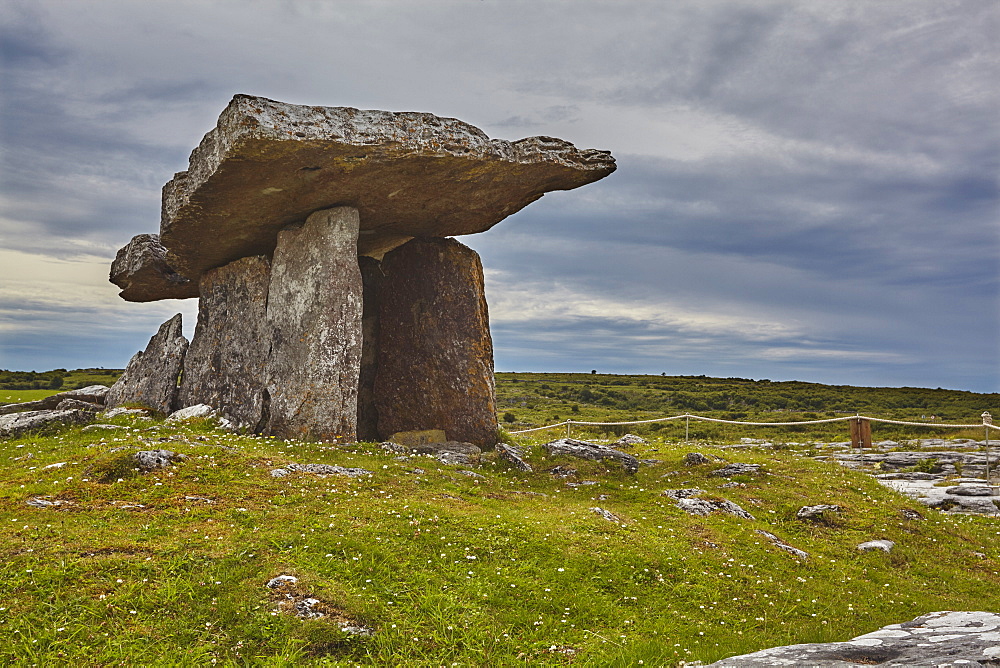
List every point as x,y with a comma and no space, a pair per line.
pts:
333,306
150,379
936,639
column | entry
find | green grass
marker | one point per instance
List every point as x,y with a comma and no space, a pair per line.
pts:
514,569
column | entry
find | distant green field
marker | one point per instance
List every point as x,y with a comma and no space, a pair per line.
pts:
526,400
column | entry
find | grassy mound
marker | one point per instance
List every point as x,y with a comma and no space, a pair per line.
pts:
438,567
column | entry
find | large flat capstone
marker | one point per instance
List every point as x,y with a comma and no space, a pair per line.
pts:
268,164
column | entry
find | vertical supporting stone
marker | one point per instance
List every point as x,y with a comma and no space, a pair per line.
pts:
371,277
226,362
315,307
151,376
435,354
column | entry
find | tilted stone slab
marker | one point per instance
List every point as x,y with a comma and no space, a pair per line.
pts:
150,379
140,269
268,164
435,353
20,423
314,308
226,363
94,394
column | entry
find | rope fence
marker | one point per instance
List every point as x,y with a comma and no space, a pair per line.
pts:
987,422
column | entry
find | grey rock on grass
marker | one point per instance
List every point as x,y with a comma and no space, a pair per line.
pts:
816,512
592,451
513,456
730,470
14,424
794,551
150,460
874,545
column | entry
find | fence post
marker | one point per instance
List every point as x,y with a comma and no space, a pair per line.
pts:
687,425
987,421
861,433
569,429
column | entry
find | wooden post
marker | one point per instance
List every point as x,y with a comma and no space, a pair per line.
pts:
861,433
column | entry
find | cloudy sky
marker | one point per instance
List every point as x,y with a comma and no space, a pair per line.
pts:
806,190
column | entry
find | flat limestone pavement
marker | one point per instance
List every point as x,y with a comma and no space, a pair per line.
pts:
942,639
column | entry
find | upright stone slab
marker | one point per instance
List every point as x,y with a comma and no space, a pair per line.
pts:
314,307
226,364
435,354
151,376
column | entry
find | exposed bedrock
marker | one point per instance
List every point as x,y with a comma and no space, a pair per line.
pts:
151,376
226,363
269,164
140,269
314,308
435,354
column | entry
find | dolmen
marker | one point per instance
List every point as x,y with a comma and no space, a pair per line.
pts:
333,304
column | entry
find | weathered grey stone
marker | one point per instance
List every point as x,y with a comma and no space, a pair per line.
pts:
970,490
268,164
695,459
127,412
140,269
677,494
696,506
20,423
513,456
447,446
816,512
592,451
730,470
940,639
314,307
628,441
794,551
150,460
71,404
151,376
607,514
873,545
94,394
371,280
435,354
198,411
327,469
226,363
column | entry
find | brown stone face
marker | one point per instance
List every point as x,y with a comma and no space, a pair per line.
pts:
151,376
226,362
268,164
314,307
435,354
371,277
